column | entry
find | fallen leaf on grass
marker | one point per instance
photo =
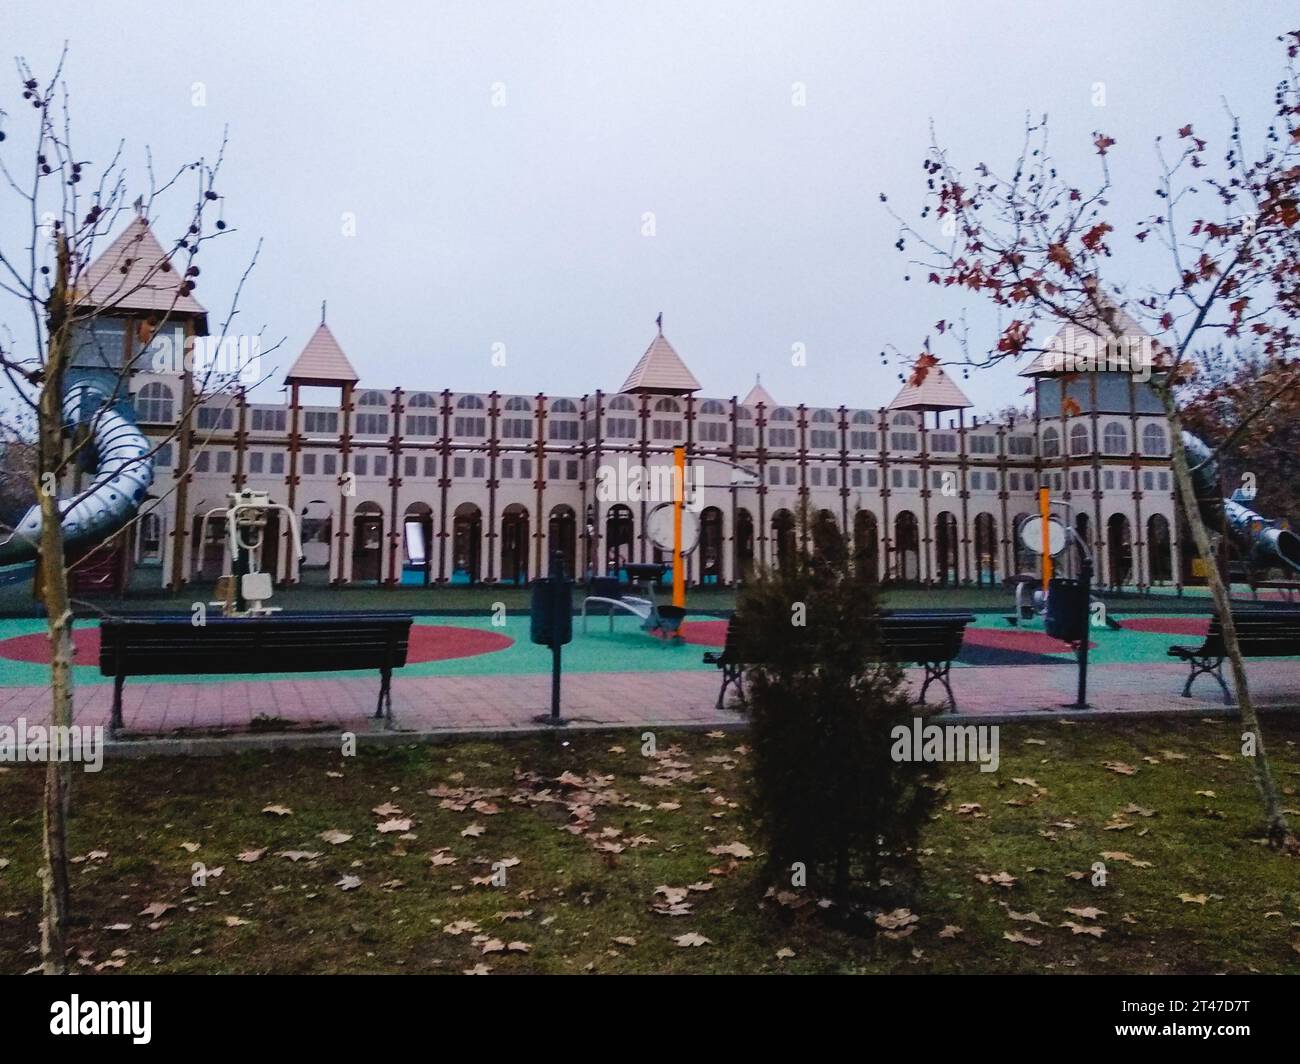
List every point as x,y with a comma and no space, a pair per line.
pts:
349,883
235,921
387,809
1016,936
1000,879
950,931
156,909
732,849
277,810
1119,767
473,831
1095,930
249,856
1120,855
298,855
396,824
892,921
189,847
478,969
460,927
1086,913
691,938
335,837
784,953
624,940
1193,899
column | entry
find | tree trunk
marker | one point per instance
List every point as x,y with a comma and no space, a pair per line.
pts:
54,591
58,774
1279,832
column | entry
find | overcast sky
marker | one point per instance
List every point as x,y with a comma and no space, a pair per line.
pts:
522,224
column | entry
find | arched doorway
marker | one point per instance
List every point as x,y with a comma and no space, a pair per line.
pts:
618,538
514,544
561,535
783,538
866,546
367,544
1083,529
417,544
744,544
466,544
986,549
907,548
316,527
945,549
1119,551
710,549
1160,559
1023,560
825,535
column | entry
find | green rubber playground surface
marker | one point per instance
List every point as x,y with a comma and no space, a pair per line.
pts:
474,646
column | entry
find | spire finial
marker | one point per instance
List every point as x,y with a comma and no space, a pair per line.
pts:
322,312
660,322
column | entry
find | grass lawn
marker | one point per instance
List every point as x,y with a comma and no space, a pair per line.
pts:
588,829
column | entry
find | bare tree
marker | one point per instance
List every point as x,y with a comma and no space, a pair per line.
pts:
62,289
1041,249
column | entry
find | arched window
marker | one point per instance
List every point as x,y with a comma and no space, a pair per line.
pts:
563,406
823,416
153,402
743,413
864,417
518,402
712,406
372,397
420,401
621,402
1079,441
469,402
782,414
903,436
1051,442
1114,439
1153,440
667,406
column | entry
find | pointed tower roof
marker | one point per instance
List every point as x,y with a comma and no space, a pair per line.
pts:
129,275
661,370
322,362
1086,339
758,394
937,391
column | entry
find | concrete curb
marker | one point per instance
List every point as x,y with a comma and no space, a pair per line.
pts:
221,746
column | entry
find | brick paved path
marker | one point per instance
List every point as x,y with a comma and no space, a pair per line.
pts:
632,699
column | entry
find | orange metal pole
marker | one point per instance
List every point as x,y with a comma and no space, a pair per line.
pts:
1044,511
679,498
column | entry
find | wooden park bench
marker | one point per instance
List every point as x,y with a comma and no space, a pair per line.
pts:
931,640
1262,632
171,645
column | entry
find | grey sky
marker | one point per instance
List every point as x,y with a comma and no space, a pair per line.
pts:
522,224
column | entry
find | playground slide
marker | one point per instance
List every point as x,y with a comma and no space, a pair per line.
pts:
1264,543
123,473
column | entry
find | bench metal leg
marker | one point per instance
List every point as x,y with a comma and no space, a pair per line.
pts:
115,722
731,676
384,707
1207,667
938,670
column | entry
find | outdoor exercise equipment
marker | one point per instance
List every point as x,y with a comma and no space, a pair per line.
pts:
551,625
245,590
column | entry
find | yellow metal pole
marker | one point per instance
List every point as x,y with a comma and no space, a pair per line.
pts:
679,498
1044,511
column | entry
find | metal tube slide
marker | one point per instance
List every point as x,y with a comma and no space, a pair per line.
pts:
123,474
1264,542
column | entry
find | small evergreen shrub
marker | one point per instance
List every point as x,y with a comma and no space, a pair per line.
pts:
821,705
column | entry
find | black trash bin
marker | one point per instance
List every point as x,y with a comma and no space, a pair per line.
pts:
1067,610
